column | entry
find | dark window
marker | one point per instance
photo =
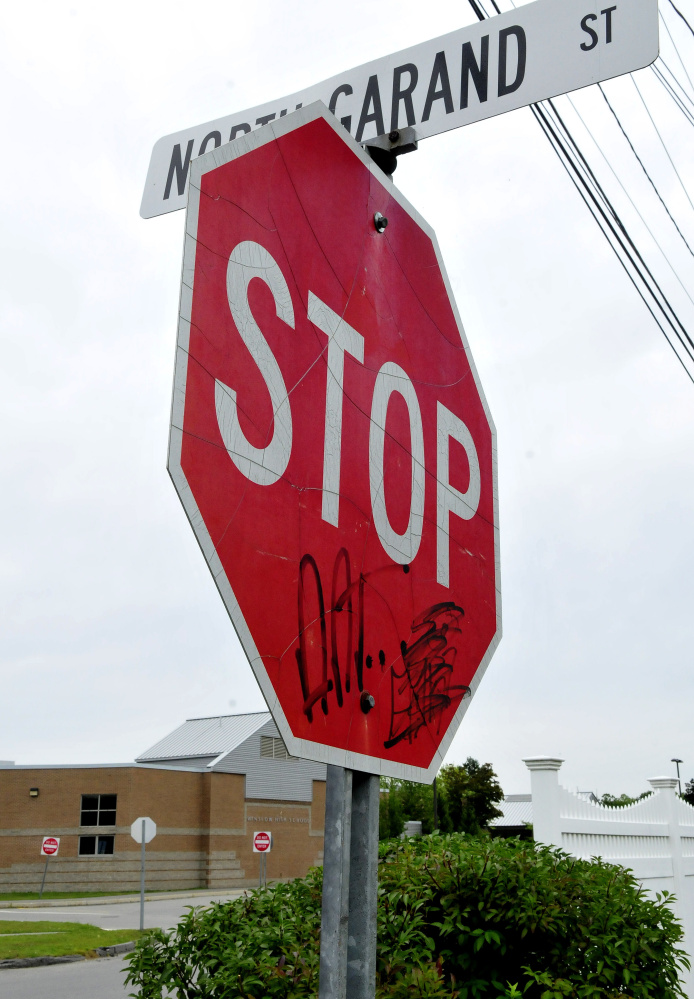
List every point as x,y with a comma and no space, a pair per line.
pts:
90,810
104,845
98,810
96,845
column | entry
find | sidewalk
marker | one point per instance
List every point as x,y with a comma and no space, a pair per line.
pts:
161,896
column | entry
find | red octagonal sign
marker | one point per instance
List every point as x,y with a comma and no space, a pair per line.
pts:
332,447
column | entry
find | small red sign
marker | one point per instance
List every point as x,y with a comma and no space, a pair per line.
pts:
50,846
262,842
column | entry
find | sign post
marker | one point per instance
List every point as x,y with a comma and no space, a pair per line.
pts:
143,830
262,844
350,885
49,848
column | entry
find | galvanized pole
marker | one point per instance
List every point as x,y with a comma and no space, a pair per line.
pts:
363,887
142,879
350,886
335,908
43,881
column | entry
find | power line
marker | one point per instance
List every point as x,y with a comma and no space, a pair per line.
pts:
641,164
682,16
672,93
677,51
685,96
609,228
608,221
662,142
631,200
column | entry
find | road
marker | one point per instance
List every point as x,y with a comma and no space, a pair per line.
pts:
99,979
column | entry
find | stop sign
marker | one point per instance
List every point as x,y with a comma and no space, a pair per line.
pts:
332,447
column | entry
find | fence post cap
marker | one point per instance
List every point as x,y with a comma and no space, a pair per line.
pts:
543,763
663,783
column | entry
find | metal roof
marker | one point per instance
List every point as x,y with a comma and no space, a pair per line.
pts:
517,810
205,737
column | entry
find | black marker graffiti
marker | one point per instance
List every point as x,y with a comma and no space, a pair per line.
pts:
422,691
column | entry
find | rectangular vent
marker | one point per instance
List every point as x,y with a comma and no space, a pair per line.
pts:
273,749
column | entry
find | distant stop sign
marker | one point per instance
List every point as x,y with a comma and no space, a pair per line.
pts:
50,846
262,842
333,449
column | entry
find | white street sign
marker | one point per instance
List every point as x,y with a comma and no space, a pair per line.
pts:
150,829
537,51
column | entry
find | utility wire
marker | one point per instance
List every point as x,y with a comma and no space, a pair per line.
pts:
677,51
629,197
608,220
682,16
657,130
662,79
685,96
616,223
537,112
641,164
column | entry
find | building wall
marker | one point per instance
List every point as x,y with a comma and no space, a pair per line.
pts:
282,780
204,829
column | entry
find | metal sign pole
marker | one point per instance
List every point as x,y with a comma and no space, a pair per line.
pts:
142,879
43,881
332,982
350,886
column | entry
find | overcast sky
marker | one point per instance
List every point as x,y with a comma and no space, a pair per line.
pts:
112,631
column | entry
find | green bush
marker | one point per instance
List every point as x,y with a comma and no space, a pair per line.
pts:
459,916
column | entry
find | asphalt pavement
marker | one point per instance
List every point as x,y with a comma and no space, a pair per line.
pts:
101,978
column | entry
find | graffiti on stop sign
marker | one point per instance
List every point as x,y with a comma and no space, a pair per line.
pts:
333,449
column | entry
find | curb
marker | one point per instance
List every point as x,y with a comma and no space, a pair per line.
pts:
37,962
122,948
60,903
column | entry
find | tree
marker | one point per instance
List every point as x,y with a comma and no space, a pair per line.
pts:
470,791
618,801
688,793
465,801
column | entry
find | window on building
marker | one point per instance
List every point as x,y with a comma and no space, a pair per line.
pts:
273,749
96,846
98,810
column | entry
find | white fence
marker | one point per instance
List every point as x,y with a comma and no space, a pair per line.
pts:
654,837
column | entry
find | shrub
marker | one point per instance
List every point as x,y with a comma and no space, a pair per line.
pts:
459,916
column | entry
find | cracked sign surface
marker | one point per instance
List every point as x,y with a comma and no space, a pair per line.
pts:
333,449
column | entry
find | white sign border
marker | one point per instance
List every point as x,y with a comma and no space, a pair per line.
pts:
301,747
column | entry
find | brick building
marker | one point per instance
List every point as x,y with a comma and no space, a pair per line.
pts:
209,785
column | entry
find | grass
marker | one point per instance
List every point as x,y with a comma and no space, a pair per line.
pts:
49,939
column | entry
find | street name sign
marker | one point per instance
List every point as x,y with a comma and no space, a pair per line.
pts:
522,56
332,447
50,846
262,842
